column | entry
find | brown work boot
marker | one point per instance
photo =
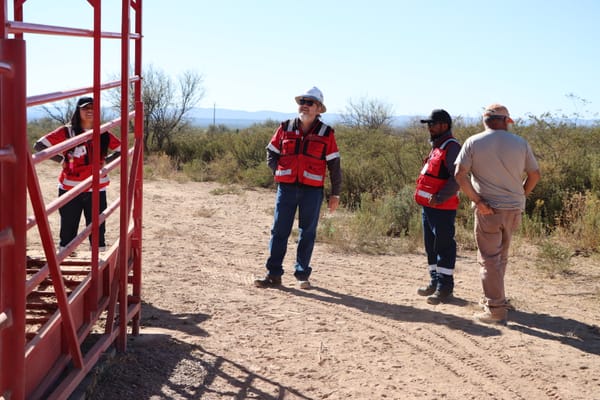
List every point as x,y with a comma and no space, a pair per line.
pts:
268,281
487,317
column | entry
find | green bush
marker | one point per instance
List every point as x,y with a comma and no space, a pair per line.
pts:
579,222
380,168
568,157
378,163
532,225
38,128
553,257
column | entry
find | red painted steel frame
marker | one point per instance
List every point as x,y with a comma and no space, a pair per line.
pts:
48,356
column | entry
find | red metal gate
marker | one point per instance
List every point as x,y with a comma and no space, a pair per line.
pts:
59,314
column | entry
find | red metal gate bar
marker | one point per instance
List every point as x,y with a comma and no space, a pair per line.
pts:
49,306
13,192
59,286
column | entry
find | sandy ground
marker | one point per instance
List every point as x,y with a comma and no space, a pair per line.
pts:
361,332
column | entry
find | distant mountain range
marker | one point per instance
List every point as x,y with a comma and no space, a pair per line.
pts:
241,119
237,119
234,119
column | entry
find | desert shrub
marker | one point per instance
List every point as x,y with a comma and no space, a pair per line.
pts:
248,147
380,168
376,162
360,177
258,176
568,157
464,224
532,225
38,128
368,226
334,229
224,169
202,146
229,189
382,224
402,214
197,170
579,222
224,155
553,257
159,165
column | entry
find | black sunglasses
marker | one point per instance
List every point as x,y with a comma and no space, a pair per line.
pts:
303,102
432,123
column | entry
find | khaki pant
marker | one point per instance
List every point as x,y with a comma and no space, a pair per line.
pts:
493,234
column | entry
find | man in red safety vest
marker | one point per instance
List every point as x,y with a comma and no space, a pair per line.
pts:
437,192
299,154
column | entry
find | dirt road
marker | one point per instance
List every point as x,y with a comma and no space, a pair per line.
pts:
362,332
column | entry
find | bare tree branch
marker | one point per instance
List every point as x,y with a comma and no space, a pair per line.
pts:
61,111
367,114
166,104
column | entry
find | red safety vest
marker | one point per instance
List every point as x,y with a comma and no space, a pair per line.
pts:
303,159
434,176
77,165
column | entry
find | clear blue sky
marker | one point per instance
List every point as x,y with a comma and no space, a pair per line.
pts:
413,55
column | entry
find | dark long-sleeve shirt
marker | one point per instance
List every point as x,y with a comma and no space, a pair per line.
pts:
452,150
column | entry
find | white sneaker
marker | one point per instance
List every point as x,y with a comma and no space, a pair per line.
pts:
101,249
73,254
304,284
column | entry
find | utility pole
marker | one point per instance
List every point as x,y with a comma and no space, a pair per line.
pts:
214,112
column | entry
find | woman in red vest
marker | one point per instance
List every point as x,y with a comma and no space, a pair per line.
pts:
76,167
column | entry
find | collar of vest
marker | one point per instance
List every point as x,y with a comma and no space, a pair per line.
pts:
438,141
318,127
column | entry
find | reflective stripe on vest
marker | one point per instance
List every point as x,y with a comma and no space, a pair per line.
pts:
70,183
283,172
314,177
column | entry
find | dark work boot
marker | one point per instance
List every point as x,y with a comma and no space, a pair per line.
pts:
429,289
443,291
439,296
268,281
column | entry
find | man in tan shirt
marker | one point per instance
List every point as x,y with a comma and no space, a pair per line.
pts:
503,172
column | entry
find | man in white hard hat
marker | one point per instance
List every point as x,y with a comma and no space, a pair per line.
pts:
300,153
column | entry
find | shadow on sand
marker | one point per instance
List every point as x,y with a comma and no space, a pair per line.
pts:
145,371
567,331
398,312
564,330
154,357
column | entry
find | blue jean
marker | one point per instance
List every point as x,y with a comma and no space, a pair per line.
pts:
307,200
440,245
